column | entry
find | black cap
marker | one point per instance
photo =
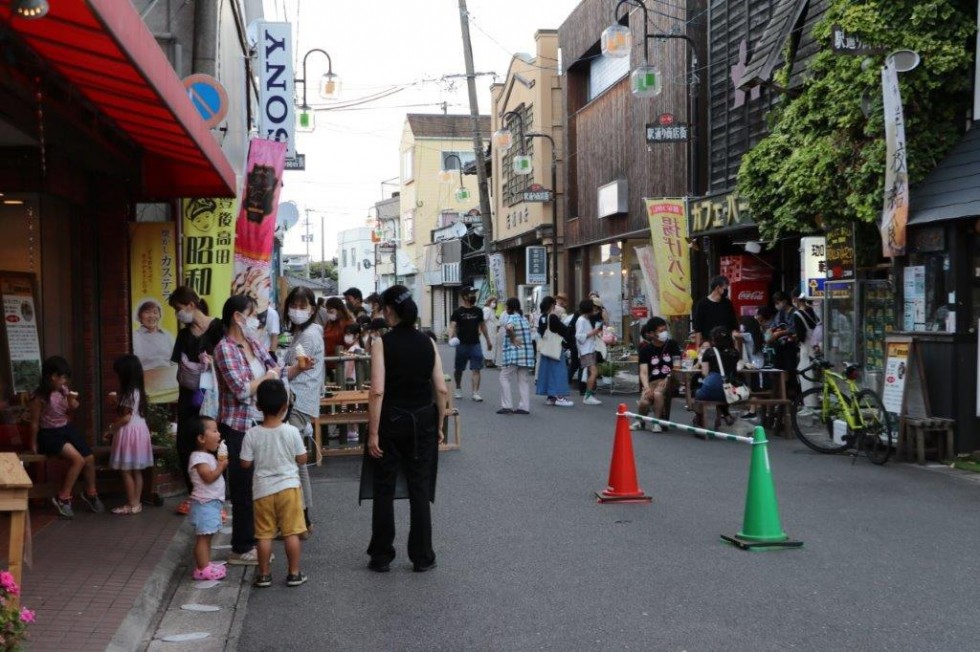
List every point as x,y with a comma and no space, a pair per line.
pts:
467,289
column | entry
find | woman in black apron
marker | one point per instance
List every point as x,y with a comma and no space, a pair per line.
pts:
407,409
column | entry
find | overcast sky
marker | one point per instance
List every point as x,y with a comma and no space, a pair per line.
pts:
379,45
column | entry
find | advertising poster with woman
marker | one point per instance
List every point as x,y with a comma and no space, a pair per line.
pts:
153,269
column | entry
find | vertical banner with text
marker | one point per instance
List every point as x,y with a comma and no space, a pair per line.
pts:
153,270
668,235
256,225
276,96
895,213
209,248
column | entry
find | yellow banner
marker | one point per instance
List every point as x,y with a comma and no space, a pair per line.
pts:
209,248
153,270
668,234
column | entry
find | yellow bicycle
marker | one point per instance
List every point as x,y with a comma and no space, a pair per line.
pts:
837,415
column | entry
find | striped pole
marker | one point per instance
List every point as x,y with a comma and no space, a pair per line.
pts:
711,434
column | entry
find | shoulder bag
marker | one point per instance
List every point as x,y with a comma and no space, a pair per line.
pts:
550,344
733,393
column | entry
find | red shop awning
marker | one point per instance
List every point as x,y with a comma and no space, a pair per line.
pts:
105,50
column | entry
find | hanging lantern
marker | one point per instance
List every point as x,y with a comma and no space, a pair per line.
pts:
306,120
462,194
617,40
329,86
645,81
503,139
445,176
522,164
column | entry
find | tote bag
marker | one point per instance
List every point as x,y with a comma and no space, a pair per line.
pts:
550,345
733,393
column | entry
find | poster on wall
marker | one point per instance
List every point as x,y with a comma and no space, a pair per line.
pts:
153,270
256,225
896,368
914,292
20,326
668,234
209,248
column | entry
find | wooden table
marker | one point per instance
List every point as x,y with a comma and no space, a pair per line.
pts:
15,486
356,402
762,398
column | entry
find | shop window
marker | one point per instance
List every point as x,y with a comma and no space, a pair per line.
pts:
451,159
927,282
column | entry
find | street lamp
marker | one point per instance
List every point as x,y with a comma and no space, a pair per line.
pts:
329,87
445,176
554,207
645,80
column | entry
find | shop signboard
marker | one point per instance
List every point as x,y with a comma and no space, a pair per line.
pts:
153,274
208,236
896,367
537,193
719,214
536,264
256,225
813,263
840,254
844,42
276,96
674,133
498,275
668,229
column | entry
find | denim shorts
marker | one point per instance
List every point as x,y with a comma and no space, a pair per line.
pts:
206,517
471,353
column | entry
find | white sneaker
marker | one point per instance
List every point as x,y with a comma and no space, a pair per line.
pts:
638,425
592,400
657,428
250,558
477,398
564,402
458,393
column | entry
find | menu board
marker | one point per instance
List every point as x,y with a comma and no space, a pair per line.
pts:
22,350
898,351
914,286
878,309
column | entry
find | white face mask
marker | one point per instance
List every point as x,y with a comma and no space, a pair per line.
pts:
331,315
348,339
663,336
251,327
186,316
299,315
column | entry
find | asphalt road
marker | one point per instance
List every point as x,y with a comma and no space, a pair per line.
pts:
528,560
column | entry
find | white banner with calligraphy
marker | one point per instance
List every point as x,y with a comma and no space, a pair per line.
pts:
895,213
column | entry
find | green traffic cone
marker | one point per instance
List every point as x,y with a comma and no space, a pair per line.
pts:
761,527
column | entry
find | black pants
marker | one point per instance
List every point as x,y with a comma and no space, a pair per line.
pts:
410,446
186,441
240,485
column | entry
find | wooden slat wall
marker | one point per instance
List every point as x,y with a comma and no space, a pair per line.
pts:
606,137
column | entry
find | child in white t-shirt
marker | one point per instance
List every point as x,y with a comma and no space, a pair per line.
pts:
208,494
275,449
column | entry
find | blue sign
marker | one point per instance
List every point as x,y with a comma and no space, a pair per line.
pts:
209,98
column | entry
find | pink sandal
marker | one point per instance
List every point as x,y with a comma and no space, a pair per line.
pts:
210,572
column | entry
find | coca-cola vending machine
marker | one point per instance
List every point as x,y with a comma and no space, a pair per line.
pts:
749,278
749,296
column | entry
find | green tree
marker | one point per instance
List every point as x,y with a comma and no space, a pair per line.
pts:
324,269
823,162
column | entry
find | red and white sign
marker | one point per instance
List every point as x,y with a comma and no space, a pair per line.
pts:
749,296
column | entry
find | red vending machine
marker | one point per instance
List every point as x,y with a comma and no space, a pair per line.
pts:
750,279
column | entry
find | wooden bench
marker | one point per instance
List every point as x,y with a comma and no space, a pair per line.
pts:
916,431
109,475
754,402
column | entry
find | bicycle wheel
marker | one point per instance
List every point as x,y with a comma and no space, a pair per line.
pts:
813,424
878,434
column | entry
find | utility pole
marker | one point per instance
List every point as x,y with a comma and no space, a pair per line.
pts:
481,169
323,245
306,238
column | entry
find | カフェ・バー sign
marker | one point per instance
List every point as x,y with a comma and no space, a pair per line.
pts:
719,213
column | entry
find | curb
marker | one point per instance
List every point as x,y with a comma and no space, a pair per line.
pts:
139,623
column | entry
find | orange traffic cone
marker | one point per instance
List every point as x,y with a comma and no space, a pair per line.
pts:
623,486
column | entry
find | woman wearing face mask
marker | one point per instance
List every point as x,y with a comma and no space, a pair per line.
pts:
241,364
338,319
490,319
656,358
304,369
196,339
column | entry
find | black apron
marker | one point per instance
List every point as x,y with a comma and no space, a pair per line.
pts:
397,418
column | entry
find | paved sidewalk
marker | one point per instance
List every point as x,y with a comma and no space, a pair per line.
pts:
89,573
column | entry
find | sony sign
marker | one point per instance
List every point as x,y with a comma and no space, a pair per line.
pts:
276,118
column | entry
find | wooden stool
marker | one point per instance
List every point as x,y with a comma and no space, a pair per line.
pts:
917,430
14,488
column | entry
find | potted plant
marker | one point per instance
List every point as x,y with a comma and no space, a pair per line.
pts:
13,619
